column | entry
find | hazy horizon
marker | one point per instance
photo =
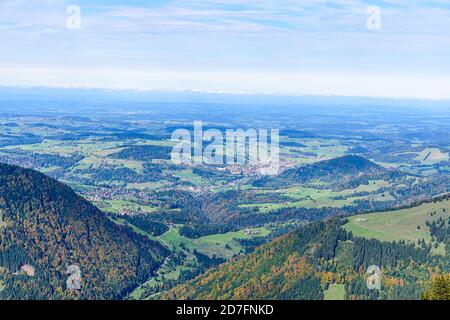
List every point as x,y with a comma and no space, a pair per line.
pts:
192,96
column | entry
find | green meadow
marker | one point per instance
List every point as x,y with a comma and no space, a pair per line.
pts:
221,245
407,224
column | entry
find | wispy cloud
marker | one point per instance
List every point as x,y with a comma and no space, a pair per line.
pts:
209,43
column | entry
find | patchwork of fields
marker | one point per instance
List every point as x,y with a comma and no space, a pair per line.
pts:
331,163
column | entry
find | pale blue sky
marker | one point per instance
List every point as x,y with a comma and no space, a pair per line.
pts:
308,47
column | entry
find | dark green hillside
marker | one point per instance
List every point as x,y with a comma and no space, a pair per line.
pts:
333,169
143,153
349,164
45,227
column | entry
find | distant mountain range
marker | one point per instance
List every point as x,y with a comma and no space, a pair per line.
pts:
49,234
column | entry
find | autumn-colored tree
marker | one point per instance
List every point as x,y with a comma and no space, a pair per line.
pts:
439,289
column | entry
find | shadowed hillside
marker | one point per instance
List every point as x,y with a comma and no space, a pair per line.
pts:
45,228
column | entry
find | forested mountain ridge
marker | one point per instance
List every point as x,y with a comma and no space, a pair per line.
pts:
316,259
45,228
332,169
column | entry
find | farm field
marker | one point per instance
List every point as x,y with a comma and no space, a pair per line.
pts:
124,206
220,245
432,155
335,292
308,197
407,224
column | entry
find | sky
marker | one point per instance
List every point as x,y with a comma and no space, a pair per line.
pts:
291,47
